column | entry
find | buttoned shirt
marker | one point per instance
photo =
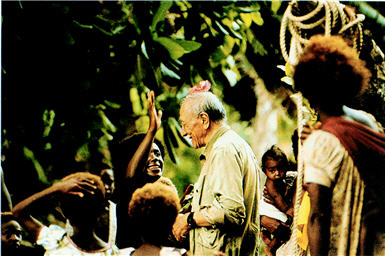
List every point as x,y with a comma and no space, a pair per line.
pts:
227,194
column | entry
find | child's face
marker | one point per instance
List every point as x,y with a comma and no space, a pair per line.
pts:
273,170
11,234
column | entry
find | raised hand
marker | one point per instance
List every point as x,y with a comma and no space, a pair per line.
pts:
76,186
139,159
155,116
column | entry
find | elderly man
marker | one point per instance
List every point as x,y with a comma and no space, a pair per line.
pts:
224,214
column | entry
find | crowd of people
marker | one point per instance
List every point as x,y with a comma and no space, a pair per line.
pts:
133,210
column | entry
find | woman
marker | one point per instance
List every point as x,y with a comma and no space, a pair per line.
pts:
137,160
343,159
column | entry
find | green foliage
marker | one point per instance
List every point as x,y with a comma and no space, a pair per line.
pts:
160,13
91,72
39,169
174,49
85,68
48,119
275,6
370,12
75,74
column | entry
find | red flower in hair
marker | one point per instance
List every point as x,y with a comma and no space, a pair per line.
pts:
203,86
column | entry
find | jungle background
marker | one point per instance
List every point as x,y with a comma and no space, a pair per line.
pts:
74,77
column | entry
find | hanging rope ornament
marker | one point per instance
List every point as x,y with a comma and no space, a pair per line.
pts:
295,250
334,20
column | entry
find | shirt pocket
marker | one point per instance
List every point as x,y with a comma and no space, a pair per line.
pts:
209,237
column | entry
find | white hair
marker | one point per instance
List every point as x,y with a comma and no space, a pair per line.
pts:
209,103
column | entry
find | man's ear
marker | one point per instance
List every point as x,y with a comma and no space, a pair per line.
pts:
205,119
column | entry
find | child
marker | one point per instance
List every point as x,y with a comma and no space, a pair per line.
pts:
10,234
154,208
82,197
12,243
277,193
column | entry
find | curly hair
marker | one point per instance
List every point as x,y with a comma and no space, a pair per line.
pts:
276,154
90,206
154,208
168,182
330,74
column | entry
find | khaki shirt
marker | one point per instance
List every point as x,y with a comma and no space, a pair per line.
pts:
227,193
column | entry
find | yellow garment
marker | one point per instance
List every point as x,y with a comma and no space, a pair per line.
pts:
303,216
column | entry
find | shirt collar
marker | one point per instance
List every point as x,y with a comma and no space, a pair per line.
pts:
213,139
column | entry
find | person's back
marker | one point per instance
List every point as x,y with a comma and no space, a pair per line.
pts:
351,199
154,208
343,160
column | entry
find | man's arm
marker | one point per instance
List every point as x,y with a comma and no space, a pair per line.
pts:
319,219
139,159
228,204
181,226
21,211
